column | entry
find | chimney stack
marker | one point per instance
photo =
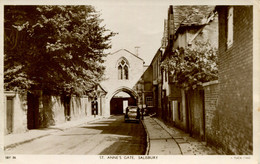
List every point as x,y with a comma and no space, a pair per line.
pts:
136,47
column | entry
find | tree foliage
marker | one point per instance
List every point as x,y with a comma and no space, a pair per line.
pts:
192,66
58,49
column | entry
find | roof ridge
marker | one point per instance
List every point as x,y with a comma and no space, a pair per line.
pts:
126,51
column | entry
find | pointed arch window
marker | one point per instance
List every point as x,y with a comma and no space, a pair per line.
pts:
120,72
126,72
123,70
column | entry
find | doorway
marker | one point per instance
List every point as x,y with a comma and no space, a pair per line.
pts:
9,114
120,101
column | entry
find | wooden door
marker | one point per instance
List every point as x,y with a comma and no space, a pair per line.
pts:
9,115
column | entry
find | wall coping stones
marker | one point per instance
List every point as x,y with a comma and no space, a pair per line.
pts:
210,83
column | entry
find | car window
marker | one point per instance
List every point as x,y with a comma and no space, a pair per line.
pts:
132,109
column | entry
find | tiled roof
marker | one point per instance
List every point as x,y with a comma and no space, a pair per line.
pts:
191,15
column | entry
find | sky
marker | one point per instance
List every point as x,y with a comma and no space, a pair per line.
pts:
140,23
137,25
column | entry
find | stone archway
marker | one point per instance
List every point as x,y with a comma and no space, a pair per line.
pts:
127,90
123,72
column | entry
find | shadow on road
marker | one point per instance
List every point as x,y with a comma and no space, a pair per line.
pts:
129,138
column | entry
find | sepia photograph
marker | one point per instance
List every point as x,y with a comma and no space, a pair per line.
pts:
129,81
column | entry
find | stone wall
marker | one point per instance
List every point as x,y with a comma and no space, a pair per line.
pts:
16,118
51,111
112,84
80,107
58,110
53,107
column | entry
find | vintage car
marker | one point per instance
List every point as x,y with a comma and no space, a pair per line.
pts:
132,114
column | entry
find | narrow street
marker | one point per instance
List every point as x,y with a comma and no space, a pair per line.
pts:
185,73
111,136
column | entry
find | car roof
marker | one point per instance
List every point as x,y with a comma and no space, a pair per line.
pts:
132,106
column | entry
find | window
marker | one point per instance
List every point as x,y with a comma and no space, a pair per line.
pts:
230,27
149,101
166,75
180,115
174,106
162,75
154,71
159,67
123,73
120,72
126,72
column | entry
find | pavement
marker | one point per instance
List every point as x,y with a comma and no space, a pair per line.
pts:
161,138
168,140
12,140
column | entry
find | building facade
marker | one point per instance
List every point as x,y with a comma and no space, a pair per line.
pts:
220,111
235,100
157,82
123,70
187,26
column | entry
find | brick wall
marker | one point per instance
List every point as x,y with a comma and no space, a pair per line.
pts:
211,91
235,82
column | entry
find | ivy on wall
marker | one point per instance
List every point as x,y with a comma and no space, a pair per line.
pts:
190,67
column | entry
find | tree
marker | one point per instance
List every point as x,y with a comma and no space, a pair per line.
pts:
192,66
57,49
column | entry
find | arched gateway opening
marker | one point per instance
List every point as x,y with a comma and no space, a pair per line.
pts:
121,99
